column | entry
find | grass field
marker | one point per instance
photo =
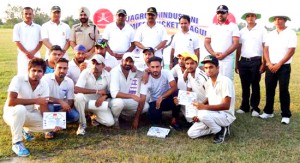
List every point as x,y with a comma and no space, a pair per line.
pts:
252,139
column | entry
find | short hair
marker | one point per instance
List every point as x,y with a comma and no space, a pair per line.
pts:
61,60
27,8
185,17
37,62
153,59
55,47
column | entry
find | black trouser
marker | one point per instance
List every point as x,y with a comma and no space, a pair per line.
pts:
250,76
283,76
167,104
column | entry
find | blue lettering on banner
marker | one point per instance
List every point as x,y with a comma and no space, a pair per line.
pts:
167,19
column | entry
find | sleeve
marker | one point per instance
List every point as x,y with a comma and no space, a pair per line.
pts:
144,88
105,34
70,95
14,85
81,82
44,32
72,34
196,44
169,76
236,32
173,72
264,35
131,34
114,84
16,36
138,34
227,88
68,31
208,33
164,34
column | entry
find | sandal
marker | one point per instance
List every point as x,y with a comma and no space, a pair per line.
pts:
49,135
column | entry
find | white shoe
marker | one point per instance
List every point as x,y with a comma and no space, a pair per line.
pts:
240,111
254,113
285,120
266,116
81,129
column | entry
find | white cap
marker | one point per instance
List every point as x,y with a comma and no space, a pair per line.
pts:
99,58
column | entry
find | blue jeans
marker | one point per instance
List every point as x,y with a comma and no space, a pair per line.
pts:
72,115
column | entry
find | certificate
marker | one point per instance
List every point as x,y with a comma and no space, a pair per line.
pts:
158,132
54,119
186,97
190,111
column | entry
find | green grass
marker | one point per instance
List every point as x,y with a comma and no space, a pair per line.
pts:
252,139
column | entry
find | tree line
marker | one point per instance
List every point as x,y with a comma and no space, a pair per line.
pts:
14,16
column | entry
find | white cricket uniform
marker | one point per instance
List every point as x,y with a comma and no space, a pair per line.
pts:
177,73
56,34
27,116
119,40
29,36
118,84
185,42
221,39
151,37
212,121
87,80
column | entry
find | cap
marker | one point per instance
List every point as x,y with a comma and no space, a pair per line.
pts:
101,42
121,11
152,10
85,10
210,59
148,49
55,8
271,19
99,58
183,54
258,16
192,56
127,55
80,48
222,8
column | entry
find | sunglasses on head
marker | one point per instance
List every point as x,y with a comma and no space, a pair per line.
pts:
221,12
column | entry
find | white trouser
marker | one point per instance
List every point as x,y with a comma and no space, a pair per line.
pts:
128,107
210,122
226,67
102,116
18,117
23,61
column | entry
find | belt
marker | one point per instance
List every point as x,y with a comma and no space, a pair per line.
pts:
251,59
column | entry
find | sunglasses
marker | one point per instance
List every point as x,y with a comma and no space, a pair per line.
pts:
221,12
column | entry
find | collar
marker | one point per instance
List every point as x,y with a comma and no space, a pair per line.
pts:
24,24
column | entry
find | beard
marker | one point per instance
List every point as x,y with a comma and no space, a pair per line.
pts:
84,20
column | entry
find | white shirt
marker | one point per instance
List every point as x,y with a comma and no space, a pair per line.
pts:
177,73
119,40
198,83
185,42
157,87
119,83
221,36
151,37
87,80
252,41
28,35
20,85
73,71
63,91
279,44
56,34
216,93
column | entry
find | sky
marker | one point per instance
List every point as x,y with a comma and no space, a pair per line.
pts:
205,10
